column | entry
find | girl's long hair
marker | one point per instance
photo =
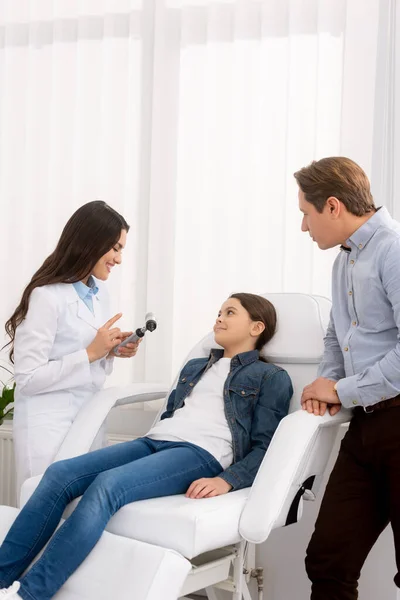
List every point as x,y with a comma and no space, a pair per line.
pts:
259,309
89,234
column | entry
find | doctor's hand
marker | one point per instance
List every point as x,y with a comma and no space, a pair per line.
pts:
208,487
126,351
106,339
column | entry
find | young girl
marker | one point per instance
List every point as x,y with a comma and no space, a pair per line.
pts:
211,439
61,335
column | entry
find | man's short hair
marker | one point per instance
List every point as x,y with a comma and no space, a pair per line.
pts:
340,177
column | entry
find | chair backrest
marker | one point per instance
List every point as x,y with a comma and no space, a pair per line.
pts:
298,343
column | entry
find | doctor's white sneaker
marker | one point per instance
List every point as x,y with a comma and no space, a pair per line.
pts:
11,592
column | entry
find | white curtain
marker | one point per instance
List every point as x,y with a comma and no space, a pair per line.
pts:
189,117
386,150
71,131
251,91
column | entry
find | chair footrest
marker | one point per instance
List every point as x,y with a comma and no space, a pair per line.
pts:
119,568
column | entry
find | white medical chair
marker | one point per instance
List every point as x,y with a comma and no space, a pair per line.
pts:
174,543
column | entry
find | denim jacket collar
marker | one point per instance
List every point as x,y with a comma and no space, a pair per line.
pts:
244,358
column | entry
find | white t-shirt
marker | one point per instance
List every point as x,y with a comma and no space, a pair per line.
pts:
202,419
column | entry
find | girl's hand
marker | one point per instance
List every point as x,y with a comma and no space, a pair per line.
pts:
106,339
208,487
126,351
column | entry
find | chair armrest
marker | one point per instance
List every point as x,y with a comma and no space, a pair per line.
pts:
299,449
93,414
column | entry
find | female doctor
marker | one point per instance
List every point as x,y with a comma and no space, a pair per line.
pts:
63,335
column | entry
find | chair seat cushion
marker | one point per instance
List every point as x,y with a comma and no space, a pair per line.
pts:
187,526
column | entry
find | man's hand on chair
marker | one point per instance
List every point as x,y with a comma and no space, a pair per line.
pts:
208,487
320,395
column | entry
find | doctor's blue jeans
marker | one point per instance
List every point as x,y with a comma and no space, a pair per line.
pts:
107,479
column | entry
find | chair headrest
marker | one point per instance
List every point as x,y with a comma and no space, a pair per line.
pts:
302,323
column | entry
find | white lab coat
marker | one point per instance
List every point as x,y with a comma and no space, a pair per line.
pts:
52,372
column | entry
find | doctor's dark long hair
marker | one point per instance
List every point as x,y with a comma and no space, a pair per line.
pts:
260,309
89,234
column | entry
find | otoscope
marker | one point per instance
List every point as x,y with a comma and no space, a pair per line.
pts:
151,325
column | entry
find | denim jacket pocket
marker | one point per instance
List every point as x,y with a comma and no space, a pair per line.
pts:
243,398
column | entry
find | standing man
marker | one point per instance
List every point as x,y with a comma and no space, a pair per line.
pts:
360,370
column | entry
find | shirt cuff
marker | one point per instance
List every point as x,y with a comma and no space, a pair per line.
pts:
231,478
79,358
348,392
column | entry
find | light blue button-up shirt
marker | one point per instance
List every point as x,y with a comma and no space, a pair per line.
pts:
86,292
362,344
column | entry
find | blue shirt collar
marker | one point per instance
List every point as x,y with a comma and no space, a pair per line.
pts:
363,234
86,291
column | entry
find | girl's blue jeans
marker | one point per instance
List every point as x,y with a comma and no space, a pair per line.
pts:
106,479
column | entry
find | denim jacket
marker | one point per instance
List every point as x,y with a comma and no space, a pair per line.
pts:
256,398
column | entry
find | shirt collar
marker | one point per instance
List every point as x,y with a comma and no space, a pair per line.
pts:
86,291
363,234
